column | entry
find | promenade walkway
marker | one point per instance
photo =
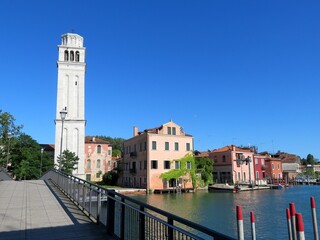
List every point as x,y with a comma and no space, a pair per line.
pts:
35,210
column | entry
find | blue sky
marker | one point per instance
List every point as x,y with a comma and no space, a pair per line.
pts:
228,72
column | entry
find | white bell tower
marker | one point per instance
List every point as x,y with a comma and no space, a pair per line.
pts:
70,99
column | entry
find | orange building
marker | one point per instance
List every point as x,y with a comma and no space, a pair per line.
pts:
98,158
152,152
273,168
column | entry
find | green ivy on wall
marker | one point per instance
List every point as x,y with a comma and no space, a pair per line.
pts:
183,172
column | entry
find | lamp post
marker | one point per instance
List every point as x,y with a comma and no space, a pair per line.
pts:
248,161
9,137
63,115
41,161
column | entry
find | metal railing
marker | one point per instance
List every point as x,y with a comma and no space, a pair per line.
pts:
125,217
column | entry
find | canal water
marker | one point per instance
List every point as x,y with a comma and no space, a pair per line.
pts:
218,210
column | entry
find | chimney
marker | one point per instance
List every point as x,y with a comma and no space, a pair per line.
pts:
93,139
135,131
233,147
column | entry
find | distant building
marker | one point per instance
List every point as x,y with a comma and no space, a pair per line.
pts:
98,158
274,168
259,162
152,152
290,165
231,164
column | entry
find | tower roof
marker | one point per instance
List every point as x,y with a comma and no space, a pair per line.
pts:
72,40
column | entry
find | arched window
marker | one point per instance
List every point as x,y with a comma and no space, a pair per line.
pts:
98,163
99,149
88,164
77,56
71,56
66,55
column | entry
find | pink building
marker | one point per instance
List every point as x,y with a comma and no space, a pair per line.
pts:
232,164
98,158
152,152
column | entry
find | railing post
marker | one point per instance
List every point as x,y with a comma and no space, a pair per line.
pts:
78,198
84,195
141,224
170,229
98,205
90,200
123,209
110,211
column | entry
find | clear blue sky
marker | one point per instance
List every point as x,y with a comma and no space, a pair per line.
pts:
228,72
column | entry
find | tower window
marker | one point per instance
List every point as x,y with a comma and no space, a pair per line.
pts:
71,56
66,55
77,56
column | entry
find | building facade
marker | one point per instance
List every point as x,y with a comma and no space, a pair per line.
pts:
70,99
232,165
273,168
152,152
259,161
98,158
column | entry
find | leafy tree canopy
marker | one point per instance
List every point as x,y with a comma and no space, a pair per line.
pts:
8,131
68,161
205,168
26,158
117,144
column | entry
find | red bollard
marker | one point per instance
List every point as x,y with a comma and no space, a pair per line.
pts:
240,223
289,223
314,218
293,220
300,226
253,226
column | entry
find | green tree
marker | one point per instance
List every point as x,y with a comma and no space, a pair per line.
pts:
110,178
8,131
205,168
68,161
25,158
310,159
117,144
183,172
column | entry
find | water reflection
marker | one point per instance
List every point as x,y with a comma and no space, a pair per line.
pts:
217,210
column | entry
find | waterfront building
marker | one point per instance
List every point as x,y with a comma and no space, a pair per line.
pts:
232,164
273,168
98,158
150,153
290,165
70,99
259,162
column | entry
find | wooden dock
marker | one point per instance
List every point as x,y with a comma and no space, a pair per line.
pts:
173,190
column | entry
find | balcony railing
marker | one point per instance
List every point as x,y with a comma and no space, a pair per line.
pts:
125,217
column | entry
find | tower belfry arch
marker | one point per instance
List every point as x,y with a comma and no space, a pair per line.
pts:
70,99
